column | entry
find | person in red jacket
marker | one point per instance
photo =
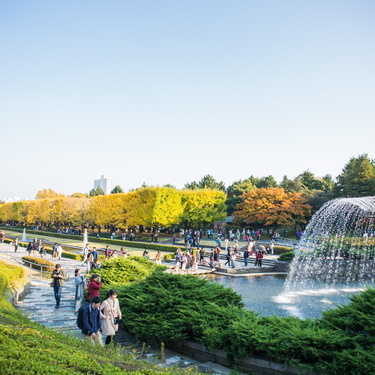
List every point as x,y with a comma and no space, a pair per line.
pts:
93,287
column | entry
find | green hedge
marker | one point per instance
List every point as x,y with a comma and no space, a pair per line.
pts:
10,276
48,249
107,241
41,264
142,245
281,249
287,257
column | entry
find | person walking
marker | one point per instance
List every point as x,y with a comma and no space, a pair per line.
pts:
16,243
79,282
29,248
94,286
59,251
92,321
85,253
111,315
158,257
201,255
42,251
58,276
259,257
35,246
246,254
89,260
232,257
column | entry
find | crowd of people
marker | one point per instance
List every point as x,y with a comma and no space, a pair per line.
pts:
98,317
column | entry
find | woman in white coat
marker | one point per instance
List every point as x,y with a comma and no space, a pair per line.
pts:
111,315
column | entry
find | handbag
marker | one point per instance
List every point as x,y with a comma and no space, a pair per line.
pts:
52,283
117,320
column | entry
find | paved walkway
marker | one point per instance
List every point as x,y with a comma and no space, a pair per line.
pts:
39,304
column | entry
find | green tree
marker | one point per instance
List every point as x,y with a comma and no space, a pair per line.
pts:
207,182
293,186
235,191
267,182
117,189
96,192
357,178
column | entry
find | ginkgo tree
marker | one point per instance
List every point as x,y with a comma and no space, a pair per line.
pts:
153,206
203,206
272,207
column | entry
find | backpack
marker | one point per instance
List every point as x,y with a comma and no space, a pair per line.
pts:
80,318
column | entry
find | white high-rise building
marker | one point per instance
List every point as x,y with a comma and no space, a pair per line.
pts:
105,183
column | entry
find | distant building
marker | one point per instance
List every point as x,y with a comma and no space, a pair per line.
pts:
105,183
11,199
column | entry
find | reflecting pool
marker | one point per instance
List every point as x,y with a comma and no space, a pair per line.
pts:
265,295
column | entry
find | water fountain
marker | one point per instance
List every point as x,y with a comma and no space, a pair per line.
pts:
337,245
334,258
24,238
85,238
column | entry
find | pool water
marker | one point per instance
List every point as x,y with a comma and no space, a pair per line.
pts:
266,295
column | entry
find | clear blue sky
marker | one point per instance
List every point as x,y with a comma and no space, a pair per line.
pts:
168,91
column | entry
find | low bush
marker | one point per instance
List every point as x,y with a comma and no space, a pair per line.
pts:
287,257
10,277
169,256
120,270
281,249
38,263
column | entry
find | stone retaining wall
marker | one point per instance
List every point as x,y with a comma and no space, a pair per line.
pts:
258,366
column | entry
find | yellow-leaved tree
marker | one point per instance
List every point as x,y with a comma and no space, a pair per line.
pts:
153,206
272,207
203,206
48,193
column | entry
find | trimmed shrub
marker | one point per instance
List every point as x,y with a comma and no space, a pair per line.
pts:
122,270
10,276
41,264
281,249
287,257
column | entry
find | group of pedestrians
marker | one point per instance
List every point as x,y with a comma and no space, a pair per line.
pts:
98,317
186,260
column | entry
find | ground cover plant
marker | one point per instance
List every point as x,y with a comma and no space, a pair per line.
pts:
27,347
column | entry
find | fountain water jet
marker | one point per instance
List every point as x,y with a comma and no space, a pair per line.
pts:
85,238
337,245
24,238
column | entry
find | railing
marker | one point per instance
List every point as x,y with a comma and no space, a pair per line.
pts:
30,264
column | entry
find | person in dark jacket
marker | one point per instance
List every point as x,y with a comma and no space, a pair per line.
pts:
91,322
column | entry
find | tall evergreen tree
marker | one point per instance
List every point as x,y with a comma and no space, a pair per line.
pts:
207,182
117,189
357,178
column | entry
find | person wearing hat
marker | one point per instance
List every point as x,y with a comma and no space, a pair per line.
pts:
58,276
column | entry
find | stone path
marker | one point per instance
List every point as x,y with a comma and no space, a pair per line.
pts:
39,304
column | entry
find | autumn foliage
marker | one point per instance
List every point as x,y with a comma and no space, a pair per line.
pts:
149,206
273,207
